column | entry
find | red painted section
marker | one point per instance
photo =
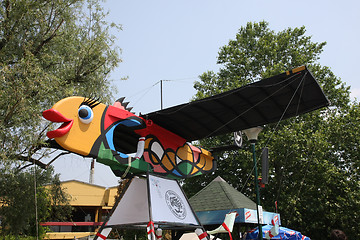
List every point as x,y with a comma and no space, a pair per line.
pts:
114,114
166,138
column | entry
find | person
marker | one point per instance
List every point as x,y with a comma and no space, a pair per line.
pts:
337,234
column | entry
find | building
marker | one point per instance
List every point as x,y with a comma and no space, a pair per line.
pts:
218,198
91,204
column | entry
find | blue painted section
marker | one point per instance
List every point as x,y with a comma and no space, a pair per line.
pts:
176,172
109,137
110,134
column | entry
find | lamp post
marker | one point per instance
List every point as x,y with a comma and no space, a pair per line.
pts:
252,135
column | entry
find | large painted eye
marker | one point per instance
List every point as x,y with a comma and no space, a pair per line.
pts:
86,114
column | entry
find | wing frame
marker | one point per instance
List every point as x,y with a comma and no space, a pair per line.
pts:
269,100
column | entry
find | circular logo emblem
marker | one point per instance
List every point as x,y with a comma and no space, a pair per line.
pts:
175,204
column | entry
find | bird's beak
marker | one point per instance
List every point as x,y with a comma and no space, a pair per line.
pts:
55,116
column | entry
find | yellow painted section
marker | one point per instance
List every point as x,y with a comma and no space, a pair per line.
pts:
168,161
206,152
185,152
208,162
295,70
298,69
201,162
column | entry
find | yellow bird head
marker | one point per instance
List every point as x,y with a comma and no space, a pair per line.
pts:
81,118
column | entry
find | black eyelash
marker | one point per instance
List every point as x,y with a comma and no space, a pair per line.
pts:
91,102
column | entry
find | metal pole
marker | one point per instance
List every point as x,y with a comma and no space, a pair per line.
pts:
161,93
257,192
92,170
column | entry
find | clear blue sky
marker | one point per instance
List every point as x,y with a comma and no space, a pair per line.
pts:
179,40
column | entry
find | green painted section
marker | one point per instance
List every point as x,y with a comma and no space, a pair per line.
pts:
105,156
185,168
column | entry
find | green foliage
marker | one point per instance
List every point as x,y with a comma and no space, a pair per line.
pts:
314,158
19,207
246,59
12,237
48,50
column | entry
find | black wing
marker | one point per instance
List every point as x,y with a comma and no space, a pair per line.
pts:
267,101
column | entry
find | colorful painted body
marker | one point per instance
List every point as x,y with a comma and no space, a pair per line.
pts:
112,133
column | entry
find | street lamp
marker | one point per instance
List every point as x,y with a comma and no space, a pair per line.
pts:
252,136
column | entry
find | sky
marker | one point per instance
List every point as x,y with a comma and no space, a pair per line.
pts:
176,41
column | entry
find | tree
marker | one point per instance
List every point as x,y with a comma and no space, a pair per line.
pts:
48,50
20,202
314,165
